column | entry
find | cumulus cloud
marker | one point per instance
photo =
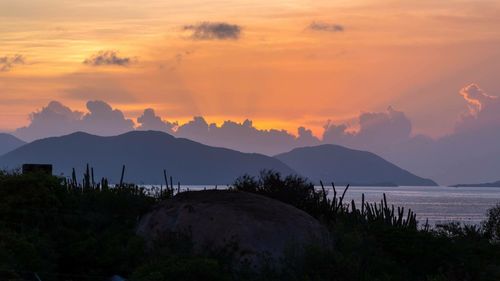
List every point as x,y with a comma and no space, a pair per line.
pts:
103,120
391,124
484,110
108,58
56,119
305,137
469,154
326,27
196,129
150,121
375,129
214,31
476,98
335,133
245,136
8,62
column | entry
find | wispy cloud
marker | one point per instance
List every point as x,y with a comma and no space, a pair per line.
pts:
176,60
108,58
8,62
214,31
326,27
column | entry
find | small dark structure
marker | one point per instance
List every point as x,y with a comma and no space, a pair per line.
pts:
37,168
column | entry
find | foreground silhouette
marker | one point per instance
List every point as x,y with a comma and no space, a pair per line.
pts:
61,231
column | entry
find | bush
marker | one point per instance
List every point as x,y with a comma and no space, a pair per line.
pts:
492,224
293,190
53,230
299,192
181,269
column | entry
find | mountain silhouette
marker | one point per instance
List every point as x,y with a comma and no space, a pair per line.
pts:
9,143
334,163
145,154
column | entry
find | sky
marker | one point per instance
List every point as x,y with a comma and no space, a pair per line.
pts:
282,64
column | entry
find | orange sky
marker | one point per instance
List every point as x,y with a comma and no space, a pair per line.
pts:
413,55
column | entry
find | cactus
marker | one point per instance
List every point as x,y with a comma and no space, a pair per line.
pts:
92,175
123,174
73,179
86,178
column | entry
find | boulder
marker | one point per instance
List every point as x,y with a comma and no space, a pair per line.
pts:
258,226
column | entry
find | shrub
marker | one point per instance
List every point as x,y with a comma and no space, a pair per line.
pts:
492,224
299,192
181,269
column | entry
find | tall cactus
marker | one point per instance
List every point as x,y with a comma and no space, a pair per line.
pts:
73,179
86,178
123,174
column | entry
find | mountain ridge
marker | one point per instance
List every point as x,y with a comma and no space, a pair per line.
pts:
145,154
9,142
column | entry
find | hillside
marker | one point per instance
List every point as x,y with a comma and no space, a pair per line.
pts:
333,163
145,154
9,143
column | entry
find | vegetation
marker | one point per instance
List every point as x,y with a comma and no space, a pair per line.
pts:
302,194
62,230
375,242
65,233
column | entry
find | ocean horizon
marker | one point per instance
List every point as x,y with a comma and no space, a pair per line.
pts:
435,204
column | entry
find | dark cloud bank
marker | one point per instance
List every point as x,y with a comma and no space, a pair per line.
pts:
470,154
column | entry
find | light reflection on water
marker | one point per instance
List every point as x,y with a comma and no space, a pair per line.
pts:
437,204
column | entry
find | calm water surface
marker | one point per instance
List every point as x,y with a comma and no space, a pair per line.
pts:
437,204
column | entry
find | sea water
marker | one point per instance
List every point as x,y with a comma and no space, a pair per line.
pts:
437,204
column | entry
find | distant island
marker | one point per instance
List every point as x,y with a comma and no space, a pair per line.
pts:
369,184
488,184
341,165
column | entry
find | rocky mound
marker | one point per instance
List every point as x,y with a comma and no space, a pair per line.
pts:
257,225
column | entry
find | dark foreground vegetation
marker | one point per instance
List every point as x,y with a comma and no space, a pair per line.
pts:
61,230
